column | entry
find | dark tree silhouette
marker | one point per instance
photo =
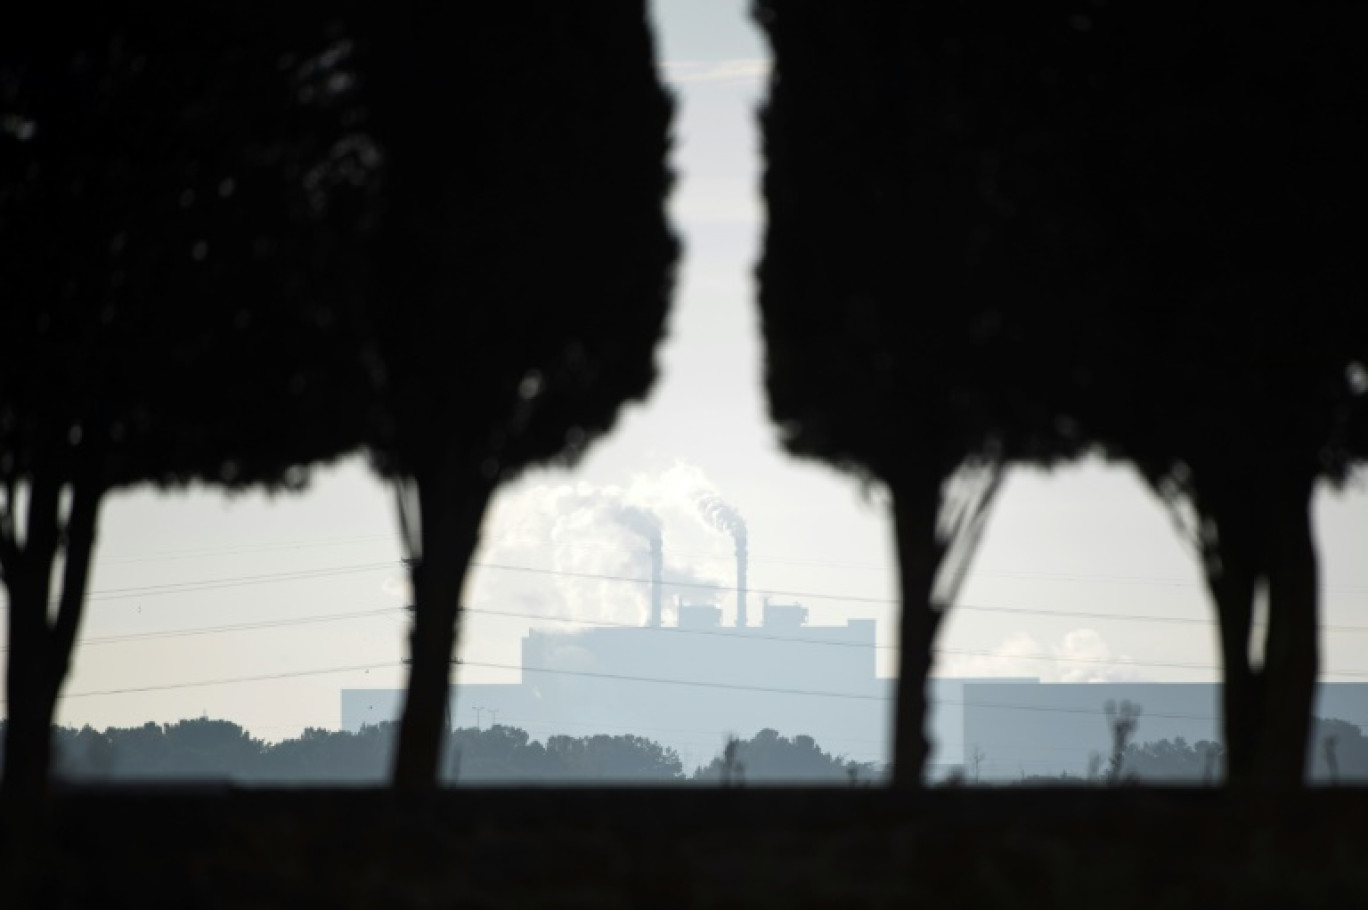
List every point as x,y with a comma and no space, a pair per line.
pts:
1144,217
1122,722
1214,173
770,757
523,271
331,756
614,759
176,210
503,754
499,754
900,316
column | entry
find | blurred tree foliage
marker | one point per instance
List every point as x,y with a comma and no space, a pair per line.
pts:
1023,231
179,230
523,270
242,240
768,757
1337,752
207,749
1188,185
904,327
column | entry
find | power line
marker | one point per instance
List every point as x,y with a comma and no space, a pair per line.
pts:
622,677
308,574
883,601
204,683
205,552
860,644
758,636
391,611
213,584
717,555
233,627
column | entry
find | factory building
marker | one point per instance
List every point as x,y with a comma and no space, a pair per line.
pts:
687,686
690,685
1021,728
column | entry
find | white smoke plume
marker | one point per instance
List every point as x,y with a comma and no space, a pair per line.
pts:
582,551
686,486
640,520
723,516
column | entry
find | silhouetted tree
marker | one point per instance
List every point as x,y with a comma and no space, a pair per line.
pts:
770,757
1122,721
195,748
218,749
1337,752
500,754
614,759
1174,760
1204,182
897,345
1151,216
1178,760
177,209
524,269
86,753
331,756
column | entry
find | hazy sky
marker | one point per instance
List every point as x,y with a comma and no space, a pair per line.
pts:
1071,566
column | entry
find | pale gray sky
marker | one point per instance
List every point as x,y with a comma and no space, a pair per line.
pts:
1069,561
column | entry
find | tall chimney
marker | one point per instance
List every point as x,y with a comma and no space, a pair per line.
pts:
657,559
740,580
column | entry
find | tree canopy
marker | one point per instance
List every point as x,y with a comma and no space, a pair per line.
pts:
523,269
1215,173
242,241
903,332
179,223
1029,231
769,757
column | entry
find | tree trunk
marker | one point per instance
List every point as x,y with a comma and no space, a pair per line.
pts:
1264,535
1291,655
1232,583
451,505
916,509
40,645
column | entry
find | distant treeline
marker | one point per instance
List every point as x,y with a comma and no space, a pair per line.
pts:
1336,752
208,749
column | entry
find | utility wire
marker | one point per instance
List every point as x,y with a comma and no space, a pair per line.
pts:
232,627
213,584
717,555
748,636
883,601
618,677
674,630
203,683
757,636
309,574
206,552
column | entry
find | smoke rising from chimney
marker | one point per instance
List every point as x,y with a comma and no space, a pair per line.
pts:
647,524
588,541
642,521
723,516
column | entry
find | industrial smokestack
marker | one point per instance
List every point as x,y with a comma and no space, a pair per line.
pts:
741,557
724,517
647,524
657,563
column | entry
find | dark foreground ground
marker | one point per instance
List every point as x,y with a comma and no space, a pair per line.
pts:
685,847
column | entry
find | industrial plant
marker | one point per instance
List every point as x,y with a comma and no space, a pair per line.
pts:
687,685
691,684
